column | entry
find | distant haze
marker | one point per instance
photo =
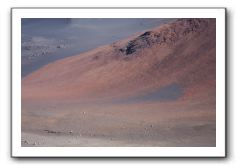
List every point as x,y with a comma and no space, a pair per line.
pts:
47,40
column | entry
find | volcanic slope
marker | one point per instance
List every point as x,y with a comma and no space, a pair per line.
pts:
156,88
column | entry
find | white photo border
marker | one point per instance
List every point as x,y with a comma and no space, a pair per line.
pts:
18,13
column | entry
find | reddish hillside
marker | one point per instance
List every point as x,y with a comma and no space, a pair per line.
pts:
180,53
156,88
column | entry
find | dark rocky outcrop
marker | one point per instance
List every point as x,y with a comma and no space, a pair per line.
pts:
168,35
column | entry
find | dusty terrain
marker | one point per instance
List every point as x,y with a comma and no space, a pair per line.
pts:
155,88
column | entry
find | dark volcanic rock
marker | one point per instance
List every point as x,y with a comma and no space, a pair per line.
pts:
168,35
